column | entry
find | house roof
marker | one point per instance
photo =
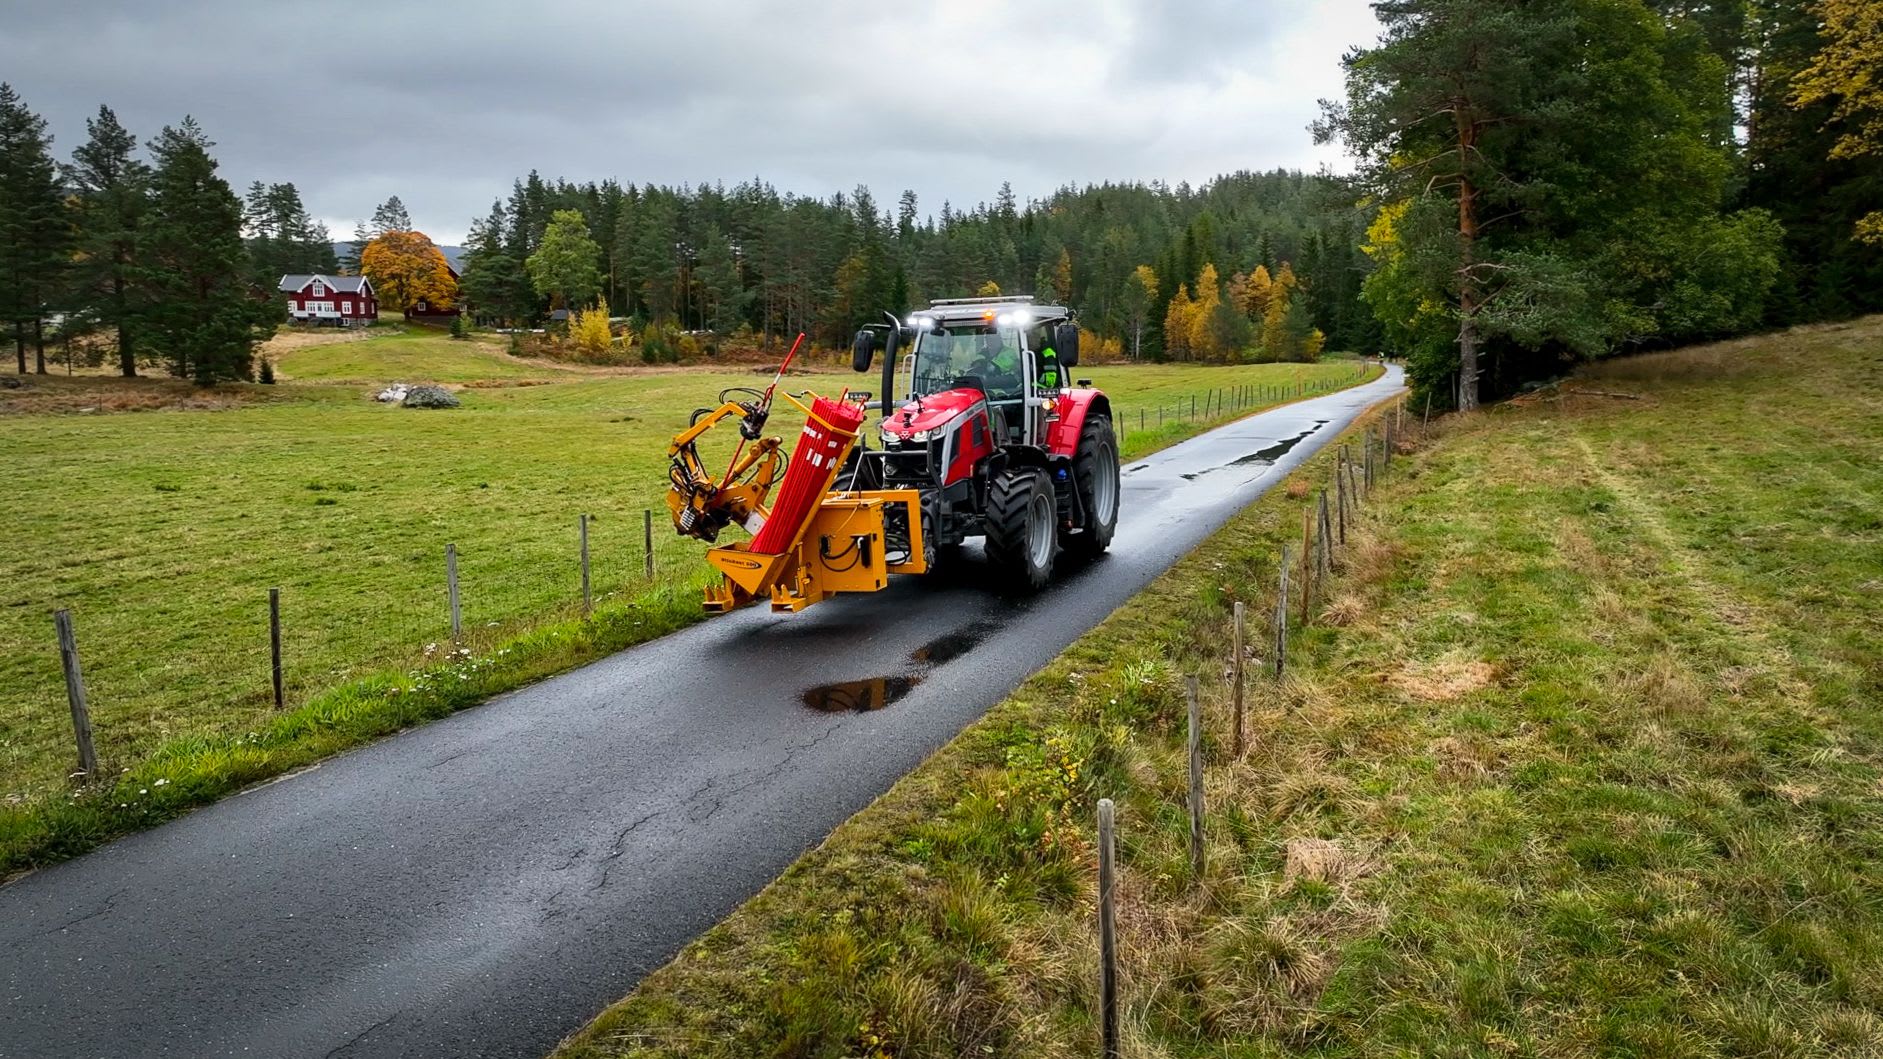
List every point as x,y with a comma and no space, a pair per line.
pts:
342,284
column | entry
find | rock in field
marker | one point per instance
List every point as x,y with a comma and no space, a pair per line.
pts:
429,397
392,394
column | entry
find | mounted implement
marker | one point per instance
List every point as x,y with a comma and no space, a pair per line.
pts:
988,441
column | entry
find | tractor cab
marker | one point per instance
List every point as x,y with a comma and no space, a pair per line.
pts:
997,348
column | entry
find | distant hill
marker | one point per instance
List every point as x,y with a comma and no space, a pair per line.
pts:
454,255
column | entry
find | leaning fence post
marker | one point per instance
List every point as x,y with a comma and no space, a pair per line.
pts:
1281,615
1196,781
451,590
1236,678
588,601
274,643
1340,492
1107,931
647,535
75,694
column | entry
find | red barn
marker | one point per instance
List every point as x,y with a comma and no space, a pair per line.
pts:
344,301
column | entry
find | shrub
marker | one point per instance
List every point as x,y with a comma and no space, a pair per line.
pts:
589,333
267,372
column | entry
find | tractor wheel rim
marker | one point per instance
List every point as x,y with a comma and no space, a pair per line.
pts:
1039,529
1105,487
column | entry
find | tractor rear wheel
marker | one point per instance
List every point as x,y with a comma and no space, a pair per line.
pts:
1022,540
1095,475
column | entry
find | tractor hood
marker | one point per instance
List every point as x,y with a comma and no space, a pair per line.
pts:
917,420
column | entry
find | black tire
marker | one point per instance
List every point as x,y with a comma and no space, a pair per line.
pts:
1095,475
1022,538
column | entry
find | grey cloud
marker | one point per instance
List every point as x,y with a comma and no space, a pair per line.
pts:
444,105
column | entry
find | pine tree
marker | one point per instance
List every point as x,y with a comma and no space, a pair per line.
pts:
35,229
113,190
203,317
391,217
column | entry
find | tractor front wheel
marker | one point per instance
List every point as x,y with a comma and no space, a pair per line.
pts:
1095,475
1022,540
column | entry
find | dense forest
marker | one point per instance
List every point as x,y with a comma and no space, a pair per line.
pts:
1536,183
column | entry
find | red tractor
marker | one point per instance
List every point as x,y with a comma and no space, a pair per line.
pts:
987,440
993,435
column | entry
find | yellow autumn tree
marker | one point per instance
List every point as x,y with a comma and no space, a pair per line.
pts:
1275,317
406,269
1178,325
1062,275
1209,294
1256,293
1848,72
588,330
990,289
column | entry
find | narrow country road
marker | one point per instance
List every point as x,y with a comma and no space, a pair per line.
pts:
484,885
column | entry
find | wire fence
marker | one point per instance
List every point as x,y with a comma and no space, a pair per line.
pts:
1170,417
153,671
150,674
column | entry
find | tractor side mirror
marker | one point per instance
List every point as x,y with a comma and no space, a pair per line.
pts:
863,350
1066,344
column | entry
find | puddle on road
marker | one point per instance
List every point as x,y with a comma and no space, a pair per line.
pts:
874,693
1262,456
859,696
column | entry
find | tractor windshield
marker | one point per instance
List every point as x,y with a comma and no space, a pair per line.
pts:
987,359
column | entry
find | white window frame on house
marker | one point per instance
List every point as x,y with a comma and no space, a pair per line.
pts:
346,307
320,289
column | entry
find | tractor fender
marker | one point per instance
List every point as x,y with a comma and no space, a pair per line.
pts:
1062,435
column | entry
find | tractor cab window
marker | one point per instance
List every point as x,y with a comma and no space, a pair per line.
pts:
991,358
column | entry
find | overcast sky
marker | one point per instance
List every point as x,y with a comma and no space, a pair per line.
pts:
444,104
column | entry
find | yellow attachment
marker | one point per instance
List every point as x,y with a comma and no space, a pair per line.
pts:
840,550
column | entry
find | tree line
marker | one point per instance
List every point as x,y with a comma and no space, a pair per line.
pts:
749,258
152,253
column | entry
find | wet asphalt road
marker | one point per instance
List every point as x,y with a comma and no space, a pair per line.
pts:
482,886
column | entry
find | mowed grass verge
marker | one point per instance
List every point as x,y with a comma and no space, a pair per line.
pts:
162,531
1579,757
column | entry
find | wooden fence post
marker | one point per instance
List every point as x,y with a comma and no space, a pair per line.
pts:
1281,616
1236,678
1107,930
1340,491
451,590
1307,560
647,539
75,694
1324,528
1196,782
588,600
274,643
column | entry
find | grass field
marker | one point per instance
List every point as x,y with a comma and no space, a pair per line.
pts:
1580,757
163,531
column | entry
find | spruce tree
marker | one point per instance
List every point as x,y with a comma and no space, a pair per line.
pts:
204,317
113,195
35,229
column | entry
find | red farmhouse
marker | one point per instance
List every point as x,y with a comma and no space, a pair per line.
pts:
344,301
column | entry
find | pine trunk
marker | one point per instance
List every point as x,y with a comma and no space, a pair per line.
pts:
39,346
127,353
19,344
1468,296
